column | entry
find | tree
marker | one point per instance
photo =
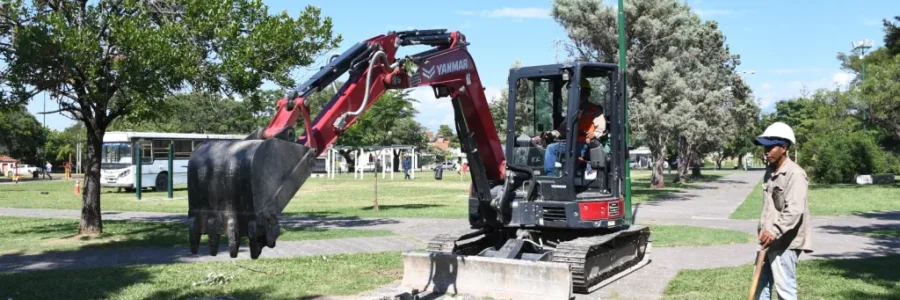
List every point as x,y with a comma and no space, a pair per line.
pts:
892,36
372,127
655,118
107,59
407,131
879,92
63,144
20,135
679,72
202,113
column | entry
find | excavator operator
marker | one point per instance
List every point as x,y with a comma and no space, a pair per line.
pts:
591,126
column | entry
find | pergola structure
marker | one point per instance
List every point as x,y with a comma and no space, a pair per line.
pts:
331,159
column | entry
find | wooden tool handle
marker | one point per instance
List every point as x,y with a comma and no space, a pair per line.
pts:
760,257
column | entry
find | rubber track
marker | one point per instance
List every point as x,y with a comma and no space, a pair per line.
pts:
583,254
447,243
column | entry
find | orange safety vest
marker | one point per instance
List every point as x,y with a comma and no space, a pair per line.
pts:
586,122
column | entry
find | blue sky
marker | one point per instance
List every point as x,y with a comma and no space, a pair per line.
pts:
790,45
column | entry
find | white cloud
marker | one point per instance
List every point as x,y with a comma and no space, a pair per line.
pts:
493,92
772,93
712,12
510,12
842,79
872,22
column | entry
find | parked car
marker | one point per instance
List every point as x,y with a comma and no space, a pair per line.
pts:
23,170
447,165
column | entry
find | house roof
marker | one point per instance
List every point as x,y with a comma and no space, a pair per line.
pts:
442,144
4,158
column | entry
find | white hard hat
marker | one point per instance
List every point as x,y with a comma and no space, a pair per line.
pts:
774,132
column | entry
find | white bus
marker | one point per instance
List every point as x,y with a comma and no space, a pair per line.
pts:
118,168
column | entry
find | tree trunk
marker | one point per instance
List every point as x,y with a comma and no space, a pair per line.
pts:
656,179
91,221
395,166
350,158
740,164
682,161
719,160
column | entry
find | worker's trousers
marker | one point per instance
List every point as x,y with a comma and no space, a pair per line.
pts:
779,273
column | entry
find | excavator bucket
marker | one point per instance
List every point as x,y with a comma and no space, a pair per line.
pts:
240,188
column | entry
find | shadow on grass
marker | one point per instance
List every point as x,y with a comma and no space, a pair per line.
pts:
101,284
877,271
124,242
881,215
823,186
181,293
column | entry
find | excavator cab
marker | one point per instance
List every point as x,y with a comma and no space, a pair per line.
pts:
551,108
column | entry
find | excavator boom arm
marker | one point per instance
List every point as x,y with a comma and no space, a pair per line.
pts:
240,188
372,66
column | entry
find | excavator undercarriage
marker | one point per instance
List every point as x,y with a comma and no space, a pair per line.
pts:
546,205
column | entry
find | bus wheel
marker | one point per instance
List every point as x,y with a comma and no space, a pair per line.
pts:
162,182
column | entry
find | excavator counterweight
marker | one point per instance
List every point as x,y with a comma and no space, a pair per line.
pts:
546,208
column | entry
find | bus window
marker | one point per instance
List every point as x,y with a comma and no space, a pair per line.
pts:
161,149
116,153
182,149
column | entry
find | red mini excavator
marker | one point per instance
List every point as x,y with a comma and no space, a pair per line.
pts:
546,204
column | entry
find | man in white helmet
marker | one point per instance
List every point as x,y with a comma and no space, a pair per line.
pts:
784,226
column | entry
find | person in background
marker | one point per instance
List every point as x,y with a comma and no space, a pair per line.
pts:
407,165
47,169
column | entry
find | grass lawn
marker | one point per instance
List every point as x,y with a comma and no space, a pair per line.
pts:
692,236
832,200
343,196
869,278
36,235
287,278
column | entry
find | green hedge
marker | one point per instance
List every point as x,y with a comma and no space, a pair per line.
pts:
840,157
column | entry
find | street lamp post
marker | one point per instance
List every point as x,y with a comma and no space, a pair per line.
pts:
862,47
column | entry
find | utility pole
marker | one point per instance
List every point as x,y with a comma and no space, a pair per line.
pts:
623,69
862,47
44,135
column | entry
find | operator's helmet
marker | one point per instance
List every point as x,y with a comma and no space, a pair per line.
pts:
776,134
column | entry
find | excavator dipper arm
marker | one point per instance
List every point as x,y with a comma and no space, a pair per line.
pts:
239,188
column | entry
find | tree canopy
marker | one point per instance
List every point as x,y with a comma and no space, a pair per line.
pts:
105,59
683,90
20,134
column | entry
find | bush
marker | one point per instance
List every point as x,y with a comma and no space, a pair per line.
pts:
840,157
